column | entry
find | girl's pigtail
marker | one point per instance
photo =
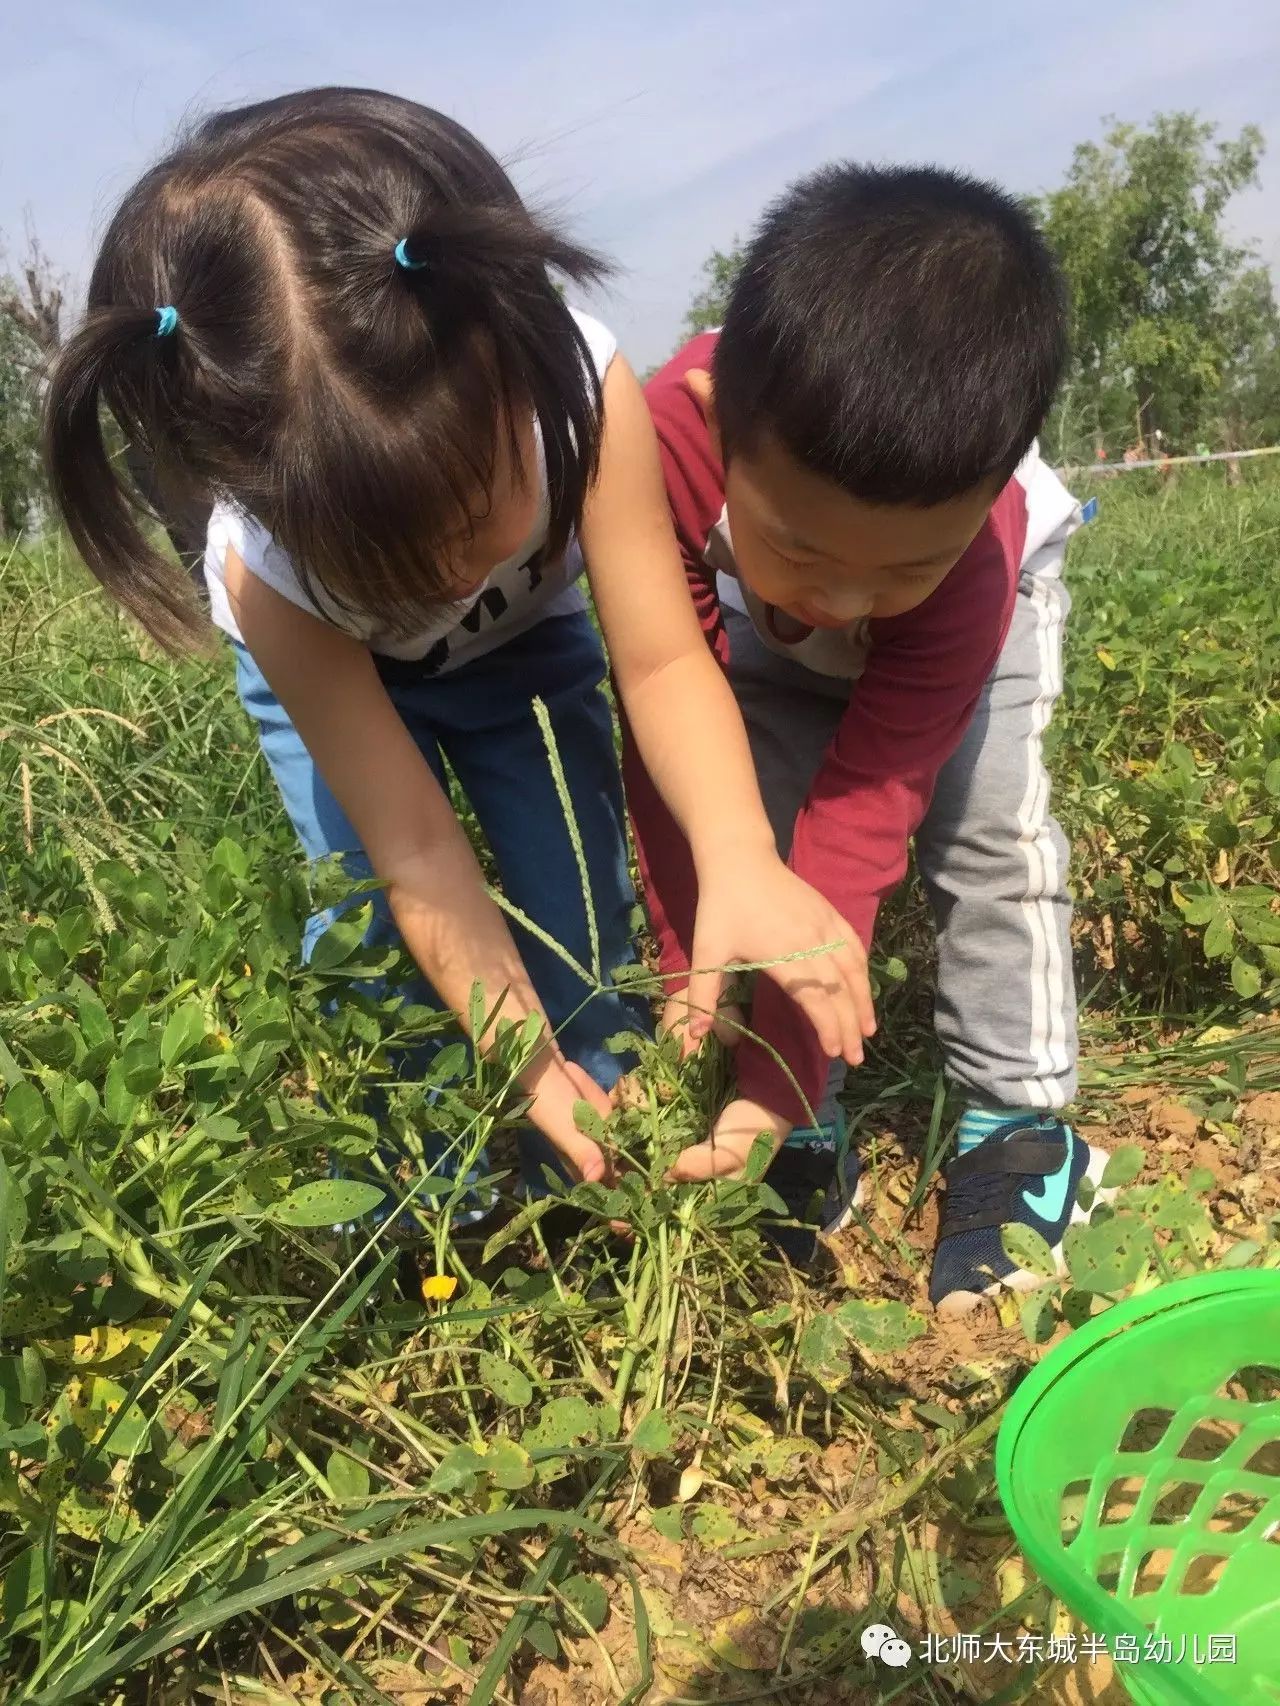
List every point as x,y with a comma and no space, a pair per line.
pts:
108,353
453,242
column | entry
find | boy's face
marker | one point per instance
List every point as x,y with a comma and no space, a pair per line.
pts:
827,559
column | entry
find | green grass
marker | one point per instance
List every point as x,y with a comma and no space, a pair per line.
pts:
236,1465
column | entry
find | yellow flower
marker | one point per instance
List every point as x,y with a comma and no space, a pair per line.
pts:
439,1287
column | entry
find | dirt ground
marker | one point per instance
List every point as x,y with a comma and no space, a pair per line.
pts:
725,1625
703,1597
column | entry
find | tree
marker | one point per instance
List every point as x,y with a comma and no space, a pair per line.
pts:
707,308
30,331
1247,408
19,429
1161,299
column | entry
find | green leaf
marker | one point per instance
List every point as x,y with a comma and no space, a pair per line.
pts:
1027,1249
341,939
118,1101
507,1464
881,1326
139,1066
507,1383
1106,1255
516,1227
459,1651
26,1439
74,931
95,1022
326,1202
824,1353
1259,927
668,1521
13,1215
1123,1167
219,889
149,899
1271,779
760,1159
1180,759
769,1320
457,1471
1077,1307
231,856
1200,909
1246,978
347,1475
1241,1255
588,1121
1217,938
542,1638
27,1113
595,1198
74,1105
588,1599
23,1584
1038,1319
44,951
785,1459
102,1403
450,1063
652,1437
715,1526
183,1033
565,1421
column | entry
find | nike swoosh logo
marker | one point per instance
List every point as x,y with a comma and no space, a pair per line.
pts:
1049,1198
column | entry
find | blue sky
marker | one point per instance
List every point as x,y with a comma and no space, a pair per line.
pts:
660,129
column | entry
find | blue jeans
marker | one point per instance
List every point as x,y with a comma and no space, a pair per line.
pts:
480,717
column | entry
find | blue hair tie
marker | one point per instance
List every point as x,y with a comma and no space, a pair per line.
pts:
402,257
166,321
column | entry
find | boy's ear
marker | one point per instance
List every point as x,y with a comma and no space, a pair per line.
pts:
702,388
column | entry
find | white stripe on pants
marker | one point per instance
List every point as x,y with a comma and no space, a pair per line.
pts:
993,859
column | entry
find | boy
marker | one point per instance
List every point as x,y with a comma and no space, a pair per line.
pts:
875,552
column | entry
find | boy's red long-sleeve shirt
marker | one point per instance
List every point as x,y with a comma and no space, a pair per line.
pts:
921,676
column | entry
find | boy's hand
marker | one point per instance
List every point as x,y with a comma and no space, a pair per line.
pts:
757,910
724,1154
729,1024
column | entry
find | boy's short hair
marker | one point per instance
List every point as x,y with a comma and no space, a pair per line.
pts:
899,330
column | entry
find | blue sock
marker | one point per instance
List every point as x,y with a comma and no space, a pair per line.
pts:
977,1124
829,1133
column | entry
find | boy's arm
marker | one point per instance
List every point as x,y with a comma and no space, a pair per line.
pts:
906,717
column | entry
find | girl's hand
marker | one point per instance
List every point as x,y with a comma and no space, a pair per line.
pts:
555,1085
751,908
724,1154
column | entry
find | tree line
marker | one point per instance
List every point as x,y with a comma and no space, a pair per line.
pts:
1175,327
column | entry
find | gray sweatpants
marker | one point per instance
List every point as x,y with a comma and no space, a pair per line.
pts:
993,859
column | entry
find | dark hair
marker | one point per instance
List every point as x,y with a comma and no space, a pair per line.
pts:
352,405
900,330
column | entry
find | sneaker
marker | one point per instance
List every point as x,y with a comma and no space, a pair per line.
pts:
818,1178
1027,1171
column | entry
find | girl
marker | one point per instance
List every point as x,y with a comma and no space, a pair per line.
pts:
329,316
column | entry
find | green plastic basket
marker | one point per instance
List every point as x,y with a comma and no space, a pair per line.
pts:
1139,1464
